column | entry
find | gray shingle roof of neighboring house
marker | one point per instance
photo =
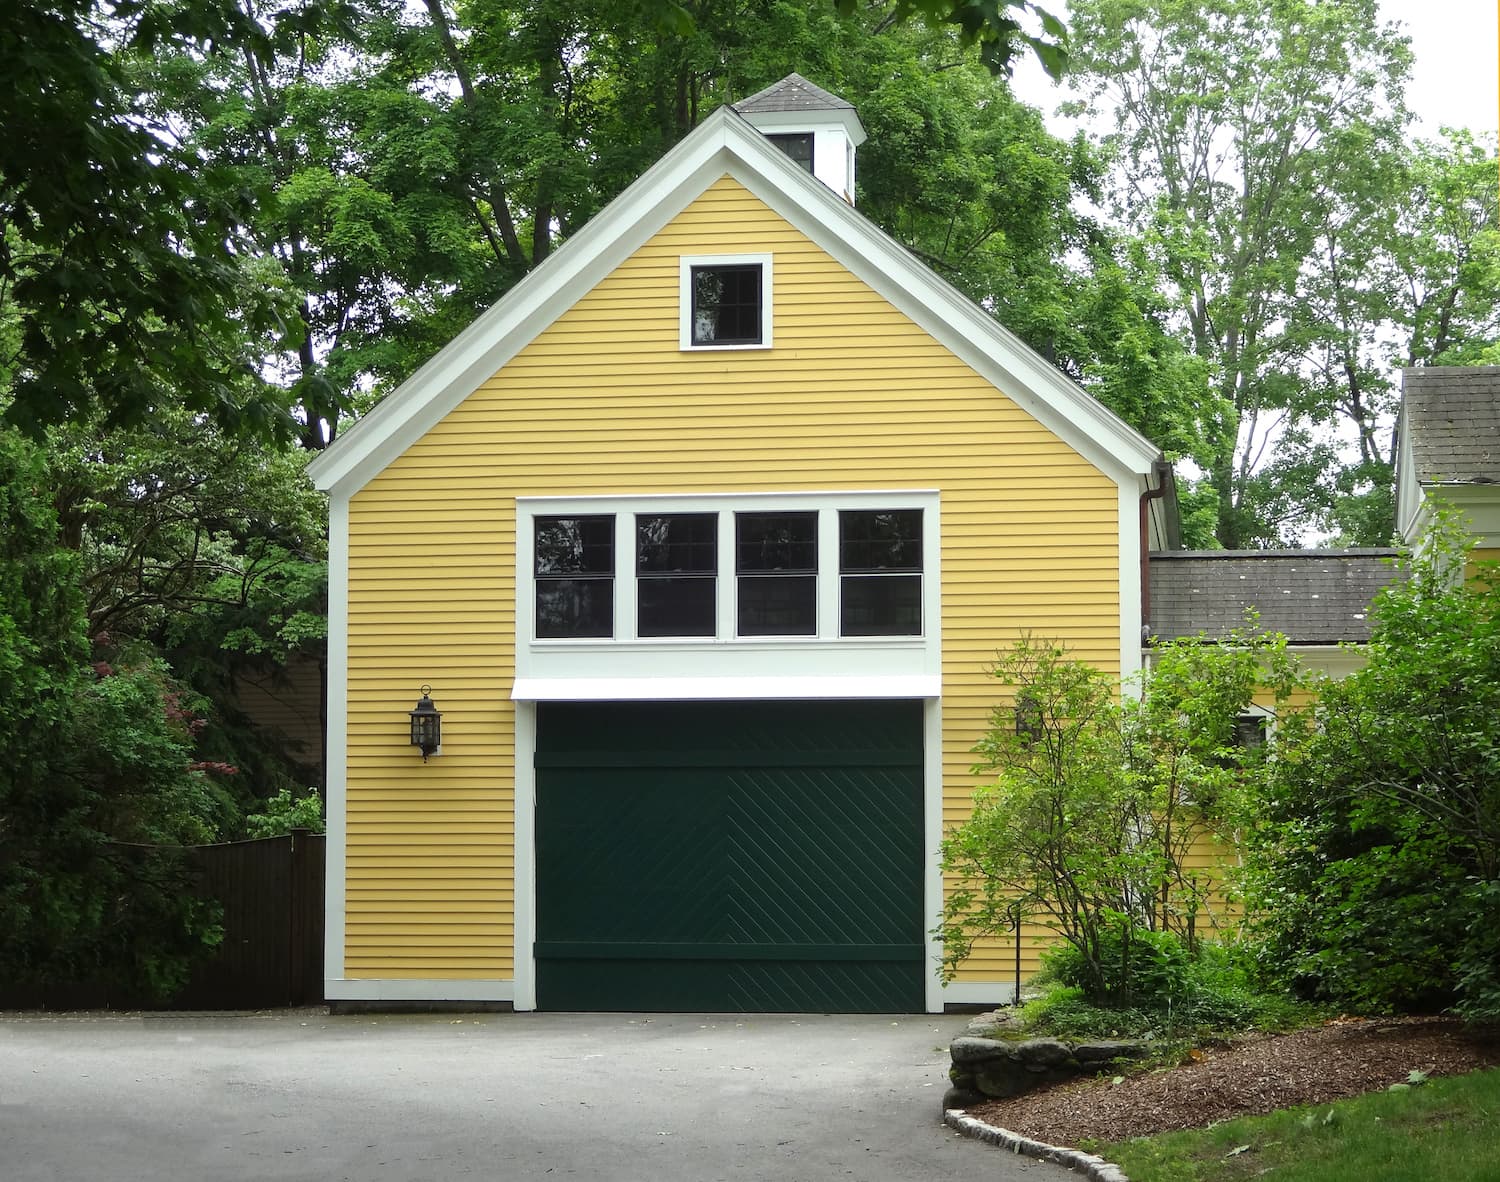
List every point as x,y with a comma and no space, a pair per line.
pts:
1310,596
792,93
1452,418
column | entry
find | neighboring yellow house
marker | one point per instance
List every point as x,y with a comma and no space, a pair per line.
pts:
703,539
1449,451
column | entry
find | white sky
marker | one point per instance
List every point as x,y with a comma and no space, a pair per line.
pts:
1455,46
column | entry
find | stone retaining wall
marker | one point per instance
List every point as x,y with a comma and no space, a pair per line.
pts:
987,1067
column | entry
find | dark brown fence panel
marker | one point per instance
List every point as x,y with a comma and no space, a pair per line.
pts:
272,952
271,892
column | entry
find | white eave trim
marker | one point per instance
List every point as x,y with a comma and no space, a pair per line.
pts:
709,689
725,143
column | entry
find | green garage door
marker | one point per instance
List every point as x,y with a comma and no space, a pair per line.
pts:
730,856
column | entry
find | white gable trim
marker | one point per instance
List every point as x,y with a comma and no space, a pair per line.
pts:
726,144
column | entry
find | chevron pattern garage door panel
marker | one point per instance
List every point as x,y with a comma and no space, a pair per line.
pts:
730,856
804,870
621,866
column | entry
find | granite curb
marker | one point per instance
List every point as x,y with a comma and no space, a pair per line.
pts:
1092,1167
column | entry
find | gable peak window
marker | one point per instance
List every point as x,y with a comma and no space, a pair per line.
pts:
726,305
726,302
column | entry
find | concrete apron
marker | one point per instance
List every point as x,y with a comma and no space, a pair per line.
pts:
300,1094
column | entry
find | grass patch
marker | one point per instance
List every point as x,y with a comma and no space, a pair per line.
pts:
1445,1128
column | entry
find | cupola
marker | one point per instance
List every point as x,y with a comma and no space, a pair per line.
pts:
816,129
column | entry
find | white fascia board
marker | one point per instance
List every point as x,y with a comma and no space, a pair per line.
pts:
498,334
713,689
1478,503
1336,660
1408,492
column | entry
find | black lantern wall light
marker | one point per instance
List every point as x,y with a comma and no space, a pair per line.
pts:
426,725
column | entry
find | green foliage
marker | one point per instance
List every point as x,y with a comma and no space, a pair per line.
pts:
1371,866
1478,965
996,27
1150,966
1097,802
284,812
1063,1011
122,263
1261,159
98,784
1209,990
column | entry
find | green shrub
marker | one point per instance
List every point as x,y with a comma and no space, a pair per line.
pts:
1131,962
283,813
1207,993
1479,959
1064,1012
1372,854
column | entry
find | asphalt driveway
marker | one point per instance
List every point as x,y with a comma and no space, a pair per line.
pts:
304,1095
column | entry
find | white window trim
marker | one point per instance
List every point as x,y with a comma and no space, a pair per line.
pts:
726,659
685,266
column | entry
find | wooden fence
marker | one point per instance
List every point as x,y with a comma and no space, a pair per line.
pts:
271,891
272,953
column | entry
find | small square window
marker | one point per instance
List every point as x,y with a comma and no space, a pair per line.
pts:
1250,731
725,301
726,305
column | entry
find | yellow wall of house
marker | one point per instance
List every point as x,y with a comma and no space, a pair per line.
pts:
1481,554
852,396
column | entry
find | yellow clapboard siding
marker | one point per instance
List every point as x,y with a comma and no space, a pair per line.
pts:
852,396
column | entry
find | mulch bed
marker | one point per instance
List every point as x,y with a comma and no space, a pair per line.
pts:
1261,1073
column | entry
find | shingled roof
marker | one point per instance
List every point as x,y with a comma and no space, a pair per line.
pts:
792,93
1310,596
1452,420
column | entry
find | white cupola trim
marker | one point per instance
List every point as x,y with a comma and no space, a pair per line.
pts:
796,107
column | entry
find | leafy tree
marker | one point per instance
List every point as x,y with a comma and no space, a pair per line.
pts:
996,27
1242,128
98,783
171,518
121,273
1099,800
1444,245
1374,862
1405,270
208,555
971,181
